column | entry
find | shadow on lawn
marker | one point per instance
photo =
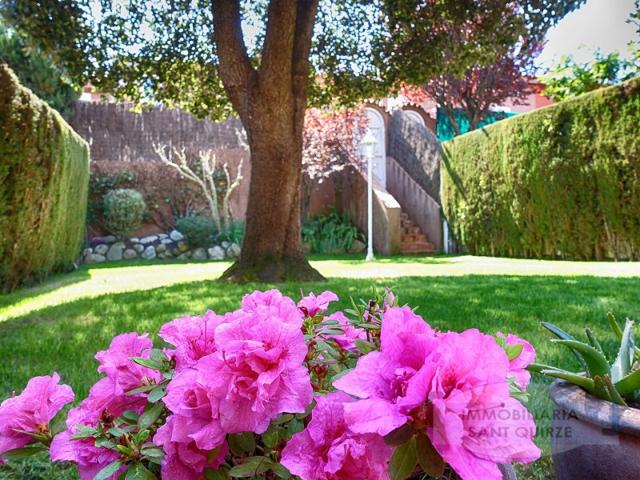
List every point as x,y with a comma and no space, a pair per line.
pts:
66,337
52,283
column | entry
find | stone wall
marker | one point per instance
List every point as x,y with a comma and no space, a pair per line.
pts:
417,150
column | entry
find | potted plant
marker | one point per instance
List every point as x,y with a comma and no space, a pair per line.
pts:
596,422
279,389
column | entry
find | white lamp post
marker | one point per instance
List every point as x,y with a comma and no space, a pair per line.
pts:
368,145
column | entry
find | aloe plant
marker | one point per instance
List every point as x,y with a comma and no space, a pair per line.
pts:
617,381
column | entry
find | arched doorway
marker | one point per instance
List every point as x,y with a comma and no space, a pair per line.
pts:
415,116
376,125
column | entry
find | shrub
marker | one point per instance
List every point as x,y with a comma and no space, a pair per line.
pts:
233,234
330,233
44,174
267,390
123,211
198,230
563,181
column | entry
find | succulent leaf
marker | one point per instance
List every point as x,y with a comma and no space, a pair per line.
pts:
622,365
629,384
597,364
587,383
562,335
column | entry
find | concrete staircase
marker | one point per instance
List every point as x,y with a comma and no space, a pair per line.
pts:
413,239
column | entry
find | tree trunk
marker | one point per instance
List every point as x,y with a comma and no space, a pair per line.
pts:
271,102
272,248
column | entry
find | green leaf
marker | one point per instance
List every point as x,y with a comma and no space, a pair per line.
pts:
332,331
58,423
629,384
400,435
24,452
241,443
271,437
109,470
220,474
364,347
622,364
538,367
151,413
280,470
147,362
428,458
252,467
158,355
613,393
596,362
338,376
561,334
615,327
130,416
593,341
153,452
142,389
513,351
84,431
404,461
157,393
138,471
295,426
587,383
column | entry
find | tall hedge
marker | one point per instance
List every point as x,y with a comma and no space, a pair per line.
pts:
559,182
44,175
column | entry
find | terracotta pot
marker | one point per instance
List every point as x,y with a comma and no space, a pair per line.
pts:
592,438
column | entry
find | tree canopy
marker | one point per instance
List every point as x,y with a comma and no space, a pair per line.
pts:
268,61
36,71
165,51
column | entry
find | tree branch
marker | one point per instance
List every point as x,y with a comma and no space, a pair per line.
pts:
238,75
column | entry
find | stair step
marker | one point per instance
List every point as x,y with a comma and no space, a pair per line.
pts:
416,247
412,231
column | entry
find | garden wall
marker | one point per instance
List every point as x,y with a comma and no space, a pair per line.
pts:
560,182
417,150
44,174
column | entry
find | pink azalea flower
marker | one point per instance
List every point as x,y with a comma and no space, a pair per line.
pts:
346,340
101,406
329,450
313,305
195,413
116,362
257,372
31,411
383,379
183,459
467,411
193,338
270,303
518,366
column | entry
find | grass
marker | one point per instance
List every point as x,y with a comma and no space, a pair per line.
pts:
61,324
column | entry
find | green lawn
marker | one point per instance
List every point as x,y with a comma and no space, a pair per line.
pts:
61,324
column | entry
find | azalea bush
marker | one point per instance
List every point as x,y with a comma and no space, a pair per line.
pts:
277,389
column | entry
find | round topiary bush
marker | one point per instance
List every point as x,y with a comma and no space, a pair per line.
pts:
123,211
198,230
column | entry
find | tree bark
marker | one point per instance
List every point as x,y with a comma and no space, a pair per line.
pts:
271,102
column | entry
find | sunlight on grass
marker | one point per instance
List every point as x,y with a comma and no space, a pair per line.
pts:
99,280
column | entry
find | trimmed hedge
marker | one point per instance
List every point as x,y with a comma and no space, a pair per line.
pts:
559,182
44,175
